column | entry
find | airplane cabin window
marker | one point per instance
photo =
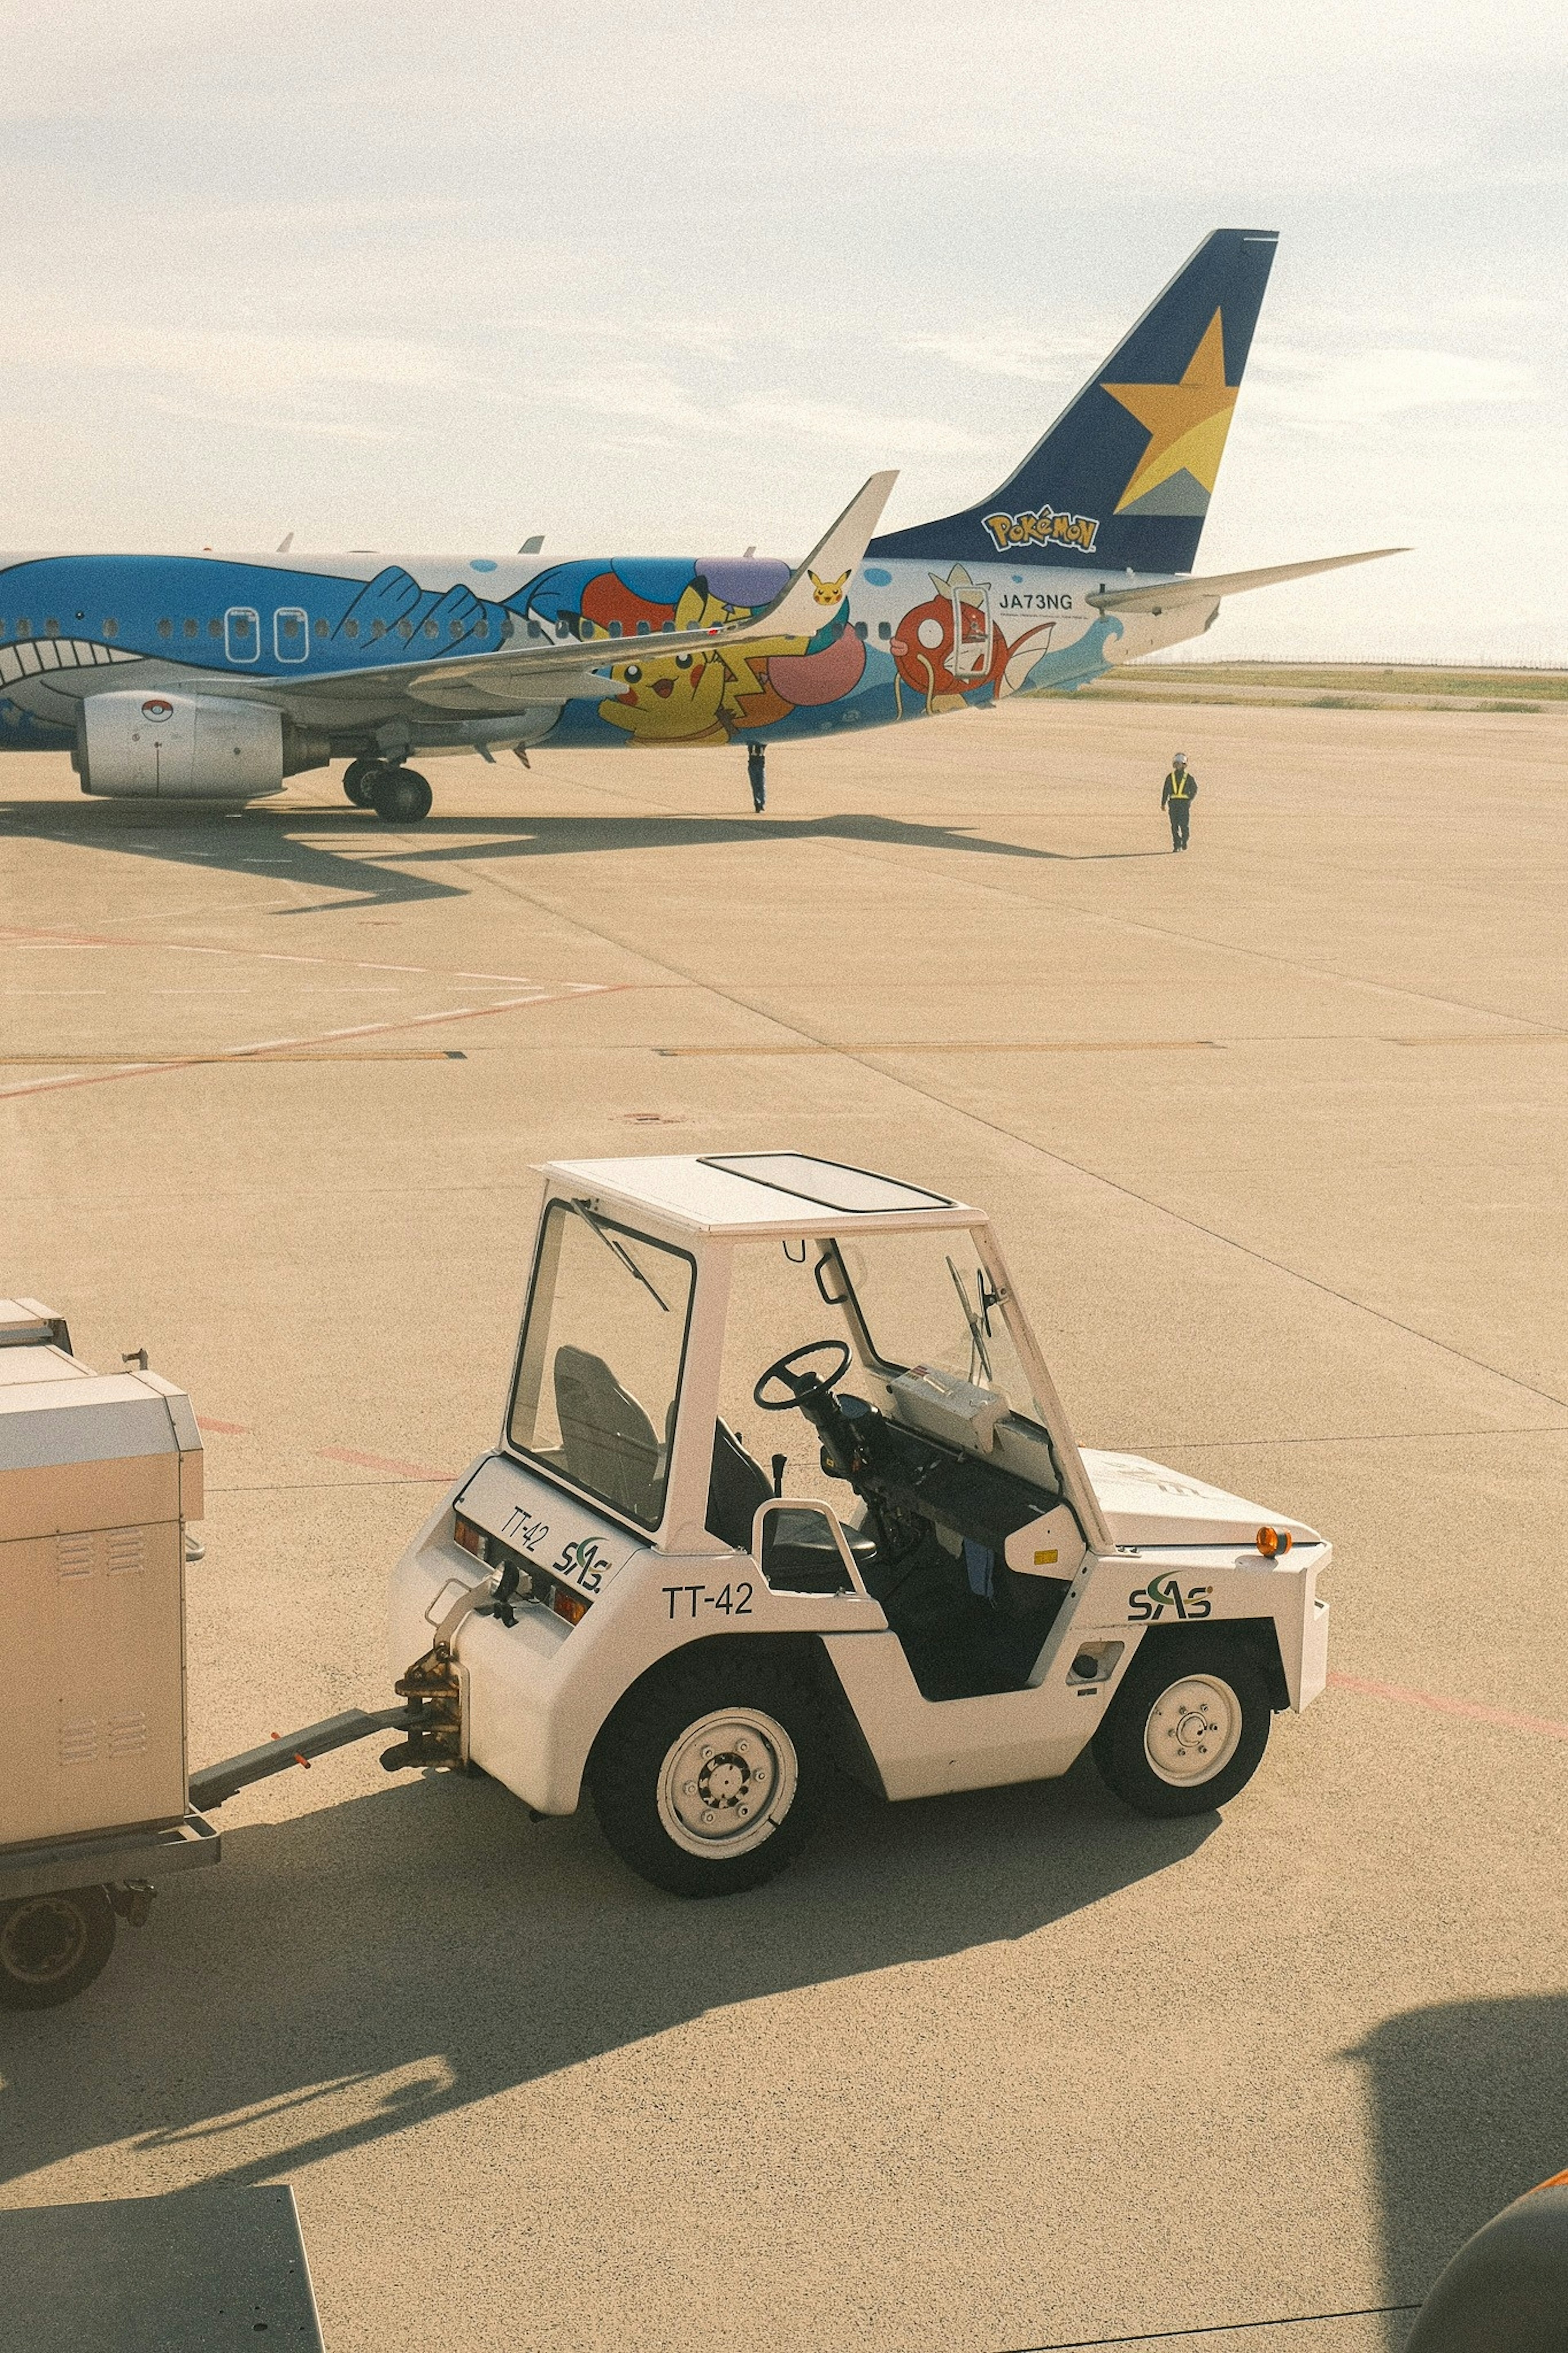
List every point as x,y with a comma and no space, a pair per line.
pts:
51,627
534,631
112,628
431,630
165,629
192,628
24,628
215,629
350,628
860,628
406,628
481,628
321,628
454,628
616,630
642,629
378,628
884,630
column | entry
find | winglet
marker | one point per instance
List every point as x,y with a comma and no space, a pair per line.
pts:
816,588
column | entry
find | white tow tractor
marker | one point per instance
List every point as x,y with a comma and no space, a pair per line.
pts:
930,1586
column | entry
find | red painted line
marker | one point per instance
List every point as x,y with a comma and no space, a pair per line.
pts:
224,1429
219,1054
19,936
380,1462
1434,1700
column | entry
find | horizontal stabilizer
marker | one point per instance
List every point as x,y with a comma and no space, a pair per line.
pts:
1168,596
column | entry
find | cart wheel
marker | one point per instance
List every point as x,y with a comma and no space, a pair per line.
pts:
1186,1730
51,1947
710,1776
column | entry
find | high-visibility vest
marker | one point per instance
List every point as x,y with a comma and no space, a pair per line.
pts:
1179,786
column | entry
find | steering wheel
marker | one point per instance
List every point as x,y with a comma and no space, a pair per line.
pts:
801,1385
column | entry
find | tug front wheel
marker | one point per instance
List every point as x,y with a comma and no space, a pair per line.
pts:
51,1947
1188,1729
710,1776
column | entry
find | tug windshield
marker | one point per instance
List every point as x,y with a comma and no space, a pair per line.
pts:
604,1343
924,1298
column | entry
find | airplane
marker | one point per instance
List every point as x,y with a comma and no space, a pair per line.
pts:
214,677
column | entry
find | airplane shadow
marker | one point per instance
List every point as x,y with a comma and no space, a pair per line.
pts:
341,849
1469,2103
365,1967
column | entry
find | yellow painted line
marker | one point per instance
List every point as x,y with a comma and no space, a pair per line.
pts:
1488,1037
962,1046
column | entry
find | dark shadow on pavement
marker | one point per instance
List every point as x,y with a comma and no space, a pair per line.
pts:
350,852
431,1932
1469,2103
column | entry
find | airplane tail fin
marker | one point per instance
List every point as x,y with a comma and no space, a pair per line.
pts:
1122,480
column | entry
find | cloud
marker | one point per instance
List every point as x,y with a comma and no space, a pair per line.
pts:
1012,351
1367,387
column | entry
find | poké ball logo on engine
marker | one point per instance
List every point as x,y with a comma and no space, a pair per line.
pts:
157,710
1043,528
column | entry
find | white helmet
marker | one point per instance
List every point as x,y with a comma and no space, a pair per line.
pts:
1178,759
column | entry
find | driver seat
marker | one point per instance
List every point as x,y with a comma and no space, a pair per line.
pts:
607,1442
801,1557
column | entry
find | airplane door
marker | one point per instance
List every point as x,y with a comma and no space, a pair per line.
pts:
972,639
241,634
290,633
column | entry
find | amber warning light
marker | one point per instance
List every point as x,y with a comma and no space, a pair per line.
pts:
1273,1541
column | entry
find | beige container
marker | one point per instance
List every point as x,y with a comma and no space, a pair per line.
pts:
99,1474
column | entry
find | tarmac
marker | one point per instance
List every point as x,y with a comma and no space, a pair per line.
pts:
1275,1136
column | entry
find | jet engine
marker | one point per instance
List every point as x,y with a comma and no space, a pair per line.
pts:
172,747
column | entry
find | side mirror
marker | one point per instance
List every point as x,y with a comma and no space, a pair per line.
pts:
802,1549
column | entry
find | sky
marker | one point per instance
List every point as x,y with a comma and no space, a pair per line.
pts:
658,277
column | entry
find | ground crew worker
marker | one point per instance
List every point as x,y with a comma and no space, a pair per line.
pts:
1181,786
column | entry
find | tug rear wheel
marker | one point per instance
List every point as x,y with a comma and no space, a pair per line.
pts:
1186,1730
399,795
52,1947
710,1775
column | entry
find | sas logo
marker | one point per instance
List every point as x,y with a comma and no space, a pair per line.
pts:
157,710
1151,1602
1043,528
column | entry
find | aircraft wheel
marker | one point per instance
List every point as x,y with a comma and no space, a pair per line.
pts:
709,1777
400,796
1188,1729
354,777
51,1947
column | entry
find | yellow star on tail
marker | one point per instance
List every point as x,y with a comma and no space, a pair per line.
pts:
1186,422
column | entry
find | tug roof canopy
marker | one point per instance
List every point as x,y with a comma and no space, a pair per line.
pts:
759,1192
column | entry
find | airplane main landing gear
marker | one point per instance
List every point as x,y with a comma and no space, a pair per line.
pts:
757,775
398,795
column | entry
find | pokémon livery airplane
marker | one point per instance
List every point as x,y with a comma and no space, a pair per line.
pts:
214,677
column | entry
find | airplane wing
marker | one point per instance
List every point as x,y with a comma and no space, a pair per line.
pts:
550,670
1168,595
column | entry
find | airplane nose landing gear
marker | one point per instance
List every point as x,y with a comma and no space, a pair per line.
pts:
757,775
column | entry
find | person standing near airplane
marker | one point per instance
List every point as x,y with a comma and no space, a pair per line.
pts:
1180,789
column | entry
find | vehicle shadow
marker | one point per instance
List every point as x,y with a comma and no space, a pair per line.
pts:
353,1971
1469,2107
350,852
